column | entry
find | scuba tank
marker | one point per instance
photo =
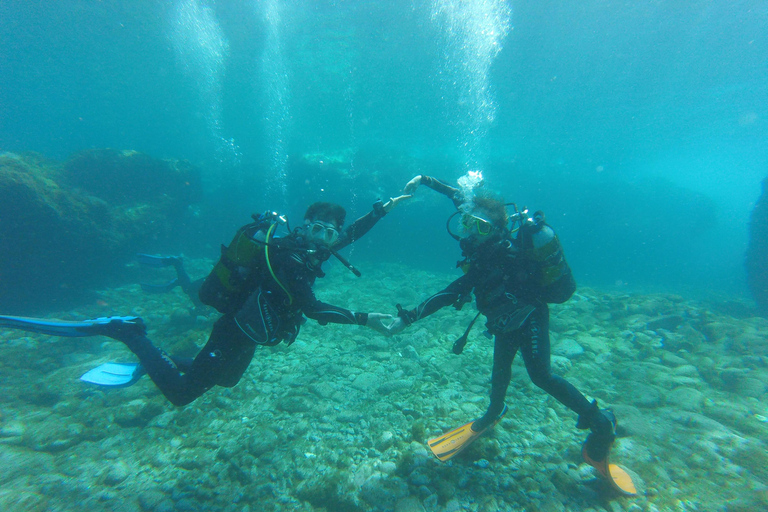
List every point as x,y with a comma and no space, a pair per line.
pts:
555,276
226,288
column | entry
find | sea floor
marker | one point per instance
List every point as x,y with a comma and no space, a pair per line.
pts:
338,421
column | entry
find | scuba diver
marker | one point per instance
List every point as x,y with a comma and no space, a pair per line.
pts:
513,272
263,286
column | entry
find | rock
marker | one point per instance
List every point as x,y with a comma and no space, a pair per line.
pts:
12,429
757,251
388,468
17,462
18,500
394,385
383,492
686,370
560,365
385,440
743,505
409,352
265,442
322,389
741,382
568,348
410,504
86,217
632,421
751,387
668,323
116,473
688,399
294,403
366,381
643,395
671,359
149,500
163,420
137,413
55,435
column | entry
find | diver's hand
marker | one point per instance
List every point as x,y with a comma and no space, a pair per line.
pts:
394,201
380,323
412,185
396,326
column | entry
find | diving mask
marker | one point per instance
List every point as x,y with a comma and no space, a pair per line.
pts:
323,232
476,226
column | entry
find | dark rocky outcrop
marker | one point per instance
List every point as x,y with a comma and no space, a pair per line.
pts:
66,227
757,251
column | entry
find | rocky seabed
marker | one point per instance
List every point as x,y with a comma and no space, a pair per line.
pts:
339,420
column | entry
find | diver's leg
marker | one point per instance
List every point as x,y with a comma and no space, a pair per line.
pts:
504,350
161,368
536,354
225,357
189,287
192,289
222,361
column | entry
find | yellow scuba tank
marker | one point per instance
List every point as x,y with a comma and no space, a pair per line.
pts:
226,287
549,253
555,275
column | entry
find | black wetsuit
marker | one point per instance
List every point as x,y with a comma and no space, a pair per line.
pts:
507,284
229,349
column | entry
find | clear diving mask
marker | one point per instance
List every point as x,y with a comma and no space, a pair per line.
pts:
323,232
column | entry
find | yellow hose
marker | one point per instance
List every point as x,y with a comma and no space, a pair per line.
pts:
269,265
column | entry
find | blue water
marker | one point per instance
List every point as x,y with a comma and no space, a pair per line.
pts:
640,128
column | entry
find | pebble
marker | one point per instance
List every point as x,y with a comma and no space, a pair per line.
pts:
568,348
12,429
388,467
688,399
384,441
116,473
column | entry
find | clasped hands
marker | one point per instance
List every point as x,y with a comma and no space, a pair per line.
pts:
385,324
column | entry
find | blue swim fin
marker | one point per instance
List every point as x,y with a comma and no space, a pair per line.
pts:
160,288
114,375
93,327
157,260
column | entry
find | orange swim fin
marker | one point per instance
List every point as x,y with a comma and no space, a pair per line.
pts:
617,476
451,443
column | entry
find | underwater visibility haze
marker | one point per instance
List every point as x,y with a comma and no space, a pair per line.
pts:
639,129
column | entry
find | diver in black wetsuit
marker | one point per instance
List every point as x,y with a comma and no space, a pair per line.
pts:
513,279
263,286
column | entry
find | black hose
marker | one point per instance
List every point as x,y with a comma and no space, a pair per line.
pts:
458,345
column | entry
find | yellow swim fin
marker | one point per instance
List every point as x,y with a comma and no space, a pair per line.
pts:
617,476
451,443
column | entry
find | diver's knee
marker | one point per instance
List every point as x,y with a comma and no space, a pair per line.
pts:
543,381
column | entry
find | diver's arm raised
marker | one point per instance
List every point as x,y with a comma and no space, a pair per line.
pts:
361,226
448,191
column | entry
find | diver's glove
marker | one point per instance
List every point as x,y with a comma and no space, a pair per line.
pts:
381,209
408,317
380,323
412,185
397,326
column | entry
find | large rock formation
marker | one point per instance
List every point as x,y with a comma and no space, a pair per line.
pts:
66,227
757,251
